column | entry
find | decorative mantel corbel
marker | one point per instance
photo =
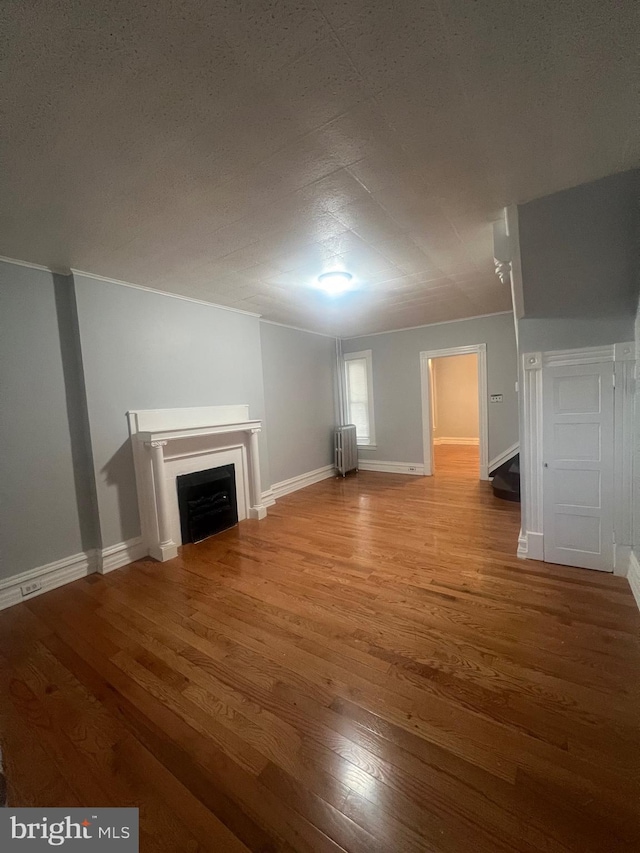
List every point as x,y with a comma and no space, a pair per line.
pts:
165,548
257,509
503,270
502,251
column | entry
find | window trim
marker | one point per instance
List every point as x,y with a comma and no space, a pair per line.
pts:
367,356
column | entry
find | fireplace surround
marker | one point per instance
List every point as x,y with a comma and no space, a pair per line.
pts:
169,443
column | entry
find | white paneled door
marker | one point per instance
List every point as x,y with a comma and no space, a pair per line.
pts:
577,456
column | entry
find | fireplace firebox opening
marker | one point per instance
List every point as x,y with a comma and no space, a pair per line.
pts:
207,502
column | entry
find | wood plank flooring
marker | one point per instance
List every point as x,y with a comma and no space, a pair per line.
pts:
368,669
457,460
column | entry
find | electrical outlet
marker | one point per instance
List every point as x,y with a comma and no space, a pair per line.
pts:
29,588
496,398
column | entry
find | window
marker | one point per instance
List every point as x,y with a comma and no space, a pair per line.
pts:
358,379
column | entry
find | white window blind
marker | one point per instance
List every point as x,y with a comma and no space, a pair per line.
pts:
359,397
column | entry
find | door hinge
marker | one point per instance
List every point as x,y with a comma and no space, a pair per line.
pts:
613,376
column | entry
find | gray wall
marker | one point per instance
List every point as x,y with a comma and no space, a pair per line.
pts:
144,350
40,519
579,250
396,382
580,255
565,333
298,369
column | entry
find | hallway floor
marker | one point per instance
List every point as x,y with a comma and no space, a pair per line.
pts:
454,460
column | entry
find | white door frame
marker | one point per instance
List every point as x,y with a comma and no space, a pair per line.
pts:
480,350
531,540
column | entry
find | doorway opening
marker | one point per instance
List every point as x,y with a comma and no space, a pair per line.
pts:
454,415
454,411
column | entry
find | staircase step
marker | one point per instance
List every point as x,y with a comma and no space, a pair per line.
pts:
508,491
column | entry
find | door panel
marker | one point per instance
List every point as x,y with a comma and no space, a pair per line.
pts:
576,441
578,459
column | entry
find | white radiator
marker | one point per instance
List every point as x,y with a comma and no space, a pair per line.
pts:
346,449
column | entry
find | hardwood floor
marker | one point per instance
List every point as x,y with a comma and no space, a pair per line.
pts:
368,669
456,460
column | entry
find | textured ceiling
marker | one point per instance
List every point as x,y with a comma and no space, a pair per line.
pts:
232,151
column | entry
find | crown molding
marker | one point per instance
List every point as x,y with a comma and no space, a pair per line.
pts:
72,271
425,325
161,292
19,263
299,329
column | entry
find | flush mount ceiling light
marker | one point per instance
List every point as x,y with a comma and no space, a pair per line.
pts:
335,282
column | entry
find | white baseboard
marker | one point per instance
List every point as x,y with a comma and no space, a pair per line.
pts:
391,467
633,576
50,576
621,560
70,569
531,546
116,556
268,498
285,487
457,440
522,545
501,458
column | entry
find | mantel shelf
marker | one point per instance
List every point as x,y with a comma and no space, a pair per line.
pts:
174,434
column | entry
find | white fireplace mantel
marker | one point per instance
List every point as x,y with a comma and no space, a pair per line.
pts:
170,442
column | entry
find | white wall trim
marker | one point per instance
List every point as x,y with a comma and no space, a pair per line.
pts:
624,351
391,467
424,326
530,546
19,263
531,452
70,569
621,560
623,424
268,498
71,271
339,386
480,350
622,358
298,328
503,457
301,481
51,576
522,545
454,439
582,355
633,577
367,355
116,556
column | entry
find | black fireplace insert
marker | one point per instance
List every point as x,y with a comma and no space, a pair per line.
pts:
207,502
